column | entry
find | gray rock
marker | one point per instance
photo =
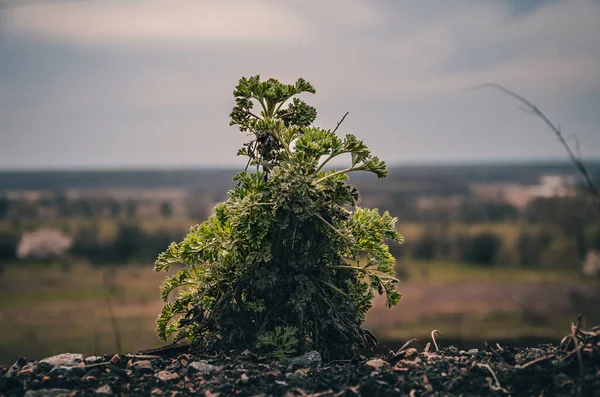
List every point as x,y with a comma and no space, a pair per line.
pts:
41,367
94,360
67,371
105,390
65,359
20,363
144,366
311,359
201,368
167,376
48,393
472,352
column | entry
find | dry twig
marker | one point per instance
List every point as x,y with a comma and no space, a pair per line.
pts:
340,122
433,337
532,109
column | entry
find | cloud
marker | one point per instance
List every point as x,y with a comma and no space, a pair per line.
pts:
129,71
111,21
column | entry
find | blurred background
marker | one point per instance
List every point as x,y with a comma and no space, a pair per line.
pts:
114,140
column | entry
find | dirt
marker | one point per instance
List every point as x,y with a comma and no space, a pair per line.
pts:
569,368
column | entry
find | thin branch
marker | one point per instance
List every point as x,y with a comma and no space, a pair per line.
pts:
340,122
433,337
404,346
111,313
556,129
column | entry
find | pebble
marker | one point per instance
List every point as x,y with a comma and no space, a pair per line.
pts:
167,376
201,368
94,360
65,359
143,366
116,359
411,353
298,374
105,391
472,352
376,363
311,359
20,363
244,378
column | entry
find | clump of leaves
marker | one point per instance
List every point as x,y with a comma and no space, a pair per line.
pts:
289,249
281,342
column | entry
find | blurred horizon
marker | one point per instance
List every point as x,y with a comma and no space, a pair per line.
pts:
562,161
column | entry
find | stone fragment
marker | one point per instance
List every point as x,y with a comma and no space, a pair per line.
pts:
298,374
311,359
201,368
167,376
93,360
144,366
472,352
116,359
65,359
244,379
20,363
411,353
104,391
376,364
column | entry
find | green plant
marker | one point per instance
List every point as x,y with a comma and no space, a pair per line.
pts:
281,342
289,247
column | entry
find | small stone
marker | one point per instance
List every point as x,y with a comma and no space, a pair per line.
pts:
93,360
116,359
156,392
411,353
42,366
298,374
143,366
245,353
376,364
20,363
65,359
472,352
91,380
105,390
311,359
201,368
184,360
272,375
244,379
167,376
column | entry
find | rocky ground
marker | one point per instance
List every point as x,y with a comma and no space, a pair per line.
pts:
569,369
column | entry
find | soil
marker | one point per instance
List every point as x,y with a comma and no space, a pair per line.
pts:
569,368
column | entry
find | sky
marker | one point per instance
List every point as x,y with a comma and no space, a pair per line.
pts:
87,84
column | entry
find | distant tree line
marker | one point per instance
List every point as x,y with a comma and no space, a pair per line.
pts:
554,232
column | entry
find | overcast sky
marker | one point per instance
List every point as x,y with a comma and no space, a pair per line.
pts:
136,83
